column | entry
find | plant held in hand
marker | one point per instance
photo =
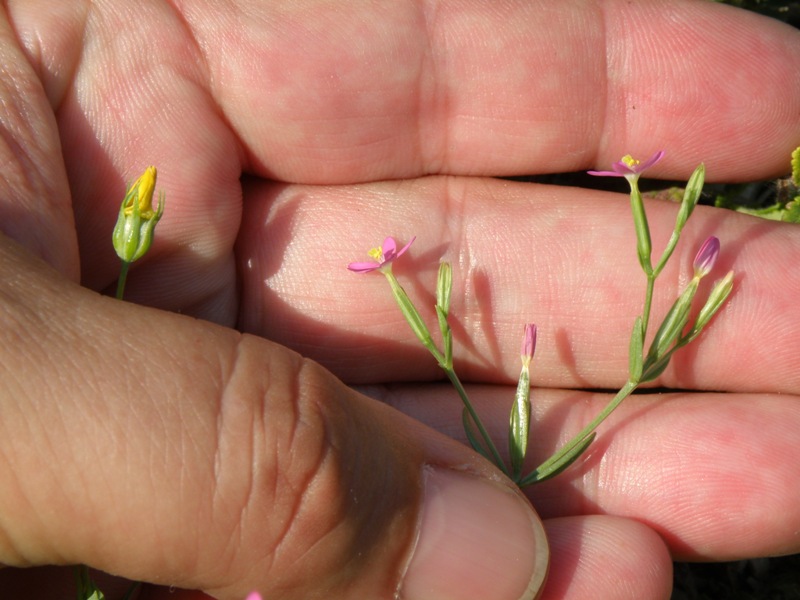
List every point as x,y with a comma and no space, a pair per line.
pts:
673,333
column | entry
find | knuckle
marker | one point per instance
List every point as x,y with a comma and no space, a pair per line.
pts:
317,484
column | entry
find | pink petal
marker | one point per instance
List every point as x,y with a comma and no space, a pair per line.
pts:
363,267
706,257
605,173
389,249
529,341
623,170
253,596
406,247
649,162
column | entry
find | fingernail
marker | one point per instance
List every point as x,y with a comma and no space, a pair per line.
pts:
478,539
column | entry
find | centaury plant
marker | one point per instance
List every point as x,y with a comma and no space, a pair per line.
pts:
131,238
644,366
136,223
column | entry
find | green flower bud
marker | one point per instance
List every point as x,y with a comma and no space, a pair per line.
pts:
133,233
722,289
444,285
673,323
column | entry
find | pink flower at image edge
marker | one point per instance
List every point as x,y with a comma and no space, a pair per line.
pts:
382,256
253,596
628,166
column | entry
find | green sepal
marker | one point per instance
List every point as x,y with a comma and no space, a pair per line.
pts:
520,423
643,244
796,166
691,195
444,285
673,324
447,337
655,366
412,315
719,294
133,234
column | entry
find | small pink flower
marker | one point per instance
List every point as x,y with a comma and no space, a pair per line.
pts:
382,257
253,596
528,344
629,167
706,257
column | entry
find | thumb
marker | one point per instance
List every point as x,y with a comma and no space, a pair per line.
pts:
173,451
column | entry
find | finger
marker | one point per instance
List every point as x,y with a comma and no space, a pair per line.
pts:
472,90
562,258
606,557
382,92
712,474
388,91
34,193
168,450
119,110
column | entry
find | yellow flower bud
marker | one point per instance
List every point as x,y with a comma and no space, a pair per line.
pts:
133,233
141,192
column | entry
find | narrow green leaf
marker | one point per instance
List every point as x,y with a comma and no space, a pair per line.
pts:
643,243
655,366
691,195
444,285
412,315
560,465
674,322
447,337
719,294
636,350
473,435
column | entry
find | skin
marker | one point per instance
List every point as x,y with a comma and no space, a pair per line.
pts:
291,137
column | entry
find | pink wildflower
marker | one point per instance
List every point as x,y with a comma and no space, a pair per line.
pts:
629,167
382,257
706,257
528,344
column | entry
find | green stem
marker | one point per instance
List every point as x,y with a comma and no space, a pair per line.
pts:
552,463
445,360
451,374
413,318
123,277
648,302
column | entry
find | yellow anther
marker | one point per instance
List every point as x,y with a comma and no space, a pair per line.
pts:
630,161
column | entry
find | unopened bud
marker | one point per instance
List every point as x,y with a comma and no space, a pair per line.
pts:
133,233
719,294
528,344
706,257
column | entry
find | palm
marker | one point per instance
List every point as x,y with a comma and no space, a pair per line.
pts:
289,144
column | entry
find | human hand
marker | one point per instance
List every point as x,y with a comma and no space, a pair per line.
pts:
188,448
